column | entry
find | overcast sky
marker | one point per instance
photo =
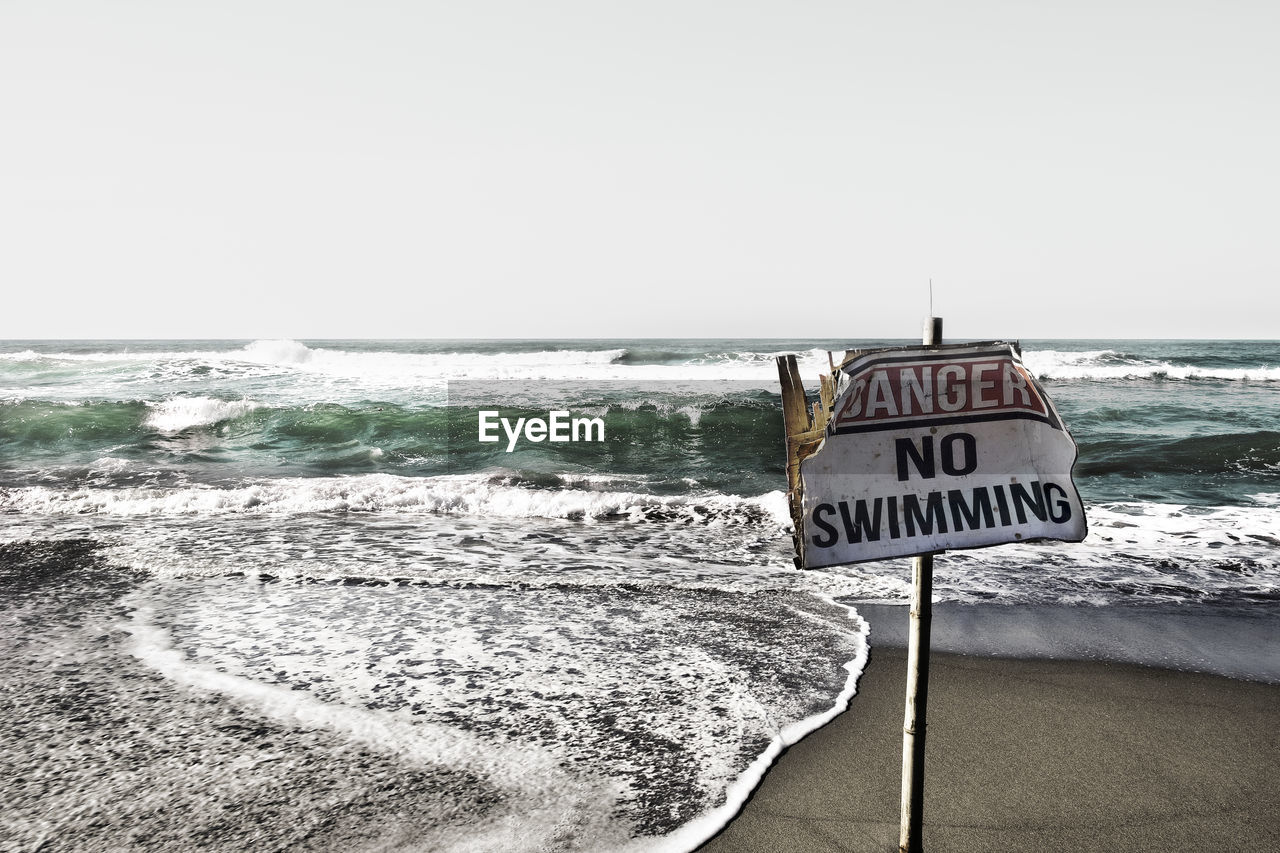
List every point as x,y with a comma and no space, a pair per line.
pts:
661,169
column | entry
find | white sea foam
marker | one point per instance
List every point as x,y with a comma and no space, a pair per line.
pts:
1112,365
288,372
753,367
125,355
434,365
386,367
1153,528
526,689
278,352
693,413
1137,552
469,529
537,791
779,509
471,494
699,830
179,413
108,466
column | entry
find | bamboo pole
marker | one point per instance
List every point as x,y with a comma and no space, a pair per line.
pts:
913,726
798,426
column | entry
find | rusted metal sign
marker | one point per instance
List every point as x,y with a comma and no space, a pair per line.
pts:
912,451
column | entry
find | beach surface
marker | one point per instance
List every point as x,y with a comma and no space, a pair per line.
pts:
1032,754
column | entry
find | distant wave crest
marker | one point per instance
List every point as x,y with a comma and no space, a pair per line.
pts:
1110,365
290,352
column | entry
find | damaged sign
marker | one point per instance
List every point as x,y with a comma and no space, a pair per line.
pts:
913,451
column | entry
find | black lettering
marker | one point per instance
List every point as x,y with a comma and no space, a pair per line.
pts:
1061,504
1023,501
971,517
855,527
818,521
892,509
932,515
949,458
1002,504
906,448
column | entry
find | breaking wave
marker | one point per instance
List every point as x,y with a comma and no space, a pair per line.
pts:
1114,365
497,495
182,413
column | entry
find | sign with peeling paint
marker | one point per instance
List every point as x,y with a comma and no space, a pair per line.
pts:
936,448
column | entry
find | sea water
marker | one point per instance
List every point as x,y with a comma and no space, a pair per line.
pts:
274,594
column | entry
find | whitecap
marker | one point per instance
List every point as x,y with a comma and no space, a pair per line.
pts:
180,413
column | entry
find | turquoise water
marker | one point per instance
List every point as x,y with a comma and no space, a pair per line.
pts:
1163,420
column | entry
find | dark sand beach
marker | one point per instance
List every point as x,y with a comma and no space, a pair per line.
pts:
1033,754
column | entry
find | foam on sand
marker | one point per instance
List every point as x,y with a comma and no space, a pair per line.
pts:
542,694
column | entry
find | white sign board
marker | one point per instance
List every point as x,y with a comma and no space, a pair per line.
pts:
930,449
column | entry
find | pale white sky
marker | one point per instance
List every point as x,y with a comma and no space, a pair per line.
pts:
596,169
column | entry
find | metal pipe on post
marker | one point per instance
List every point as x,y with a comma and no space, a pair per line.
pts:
913,726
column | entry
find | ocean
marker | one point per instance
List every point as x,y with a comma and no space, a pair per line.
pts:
278,594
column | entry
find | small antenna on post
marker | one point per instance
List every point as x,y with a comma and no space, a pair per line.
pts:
932,324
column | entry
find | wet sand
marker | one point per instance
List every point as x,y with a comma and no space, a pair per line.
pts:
1031,755
99,752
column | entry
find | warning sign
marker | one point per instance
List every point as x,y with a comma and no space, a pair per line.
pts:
937,448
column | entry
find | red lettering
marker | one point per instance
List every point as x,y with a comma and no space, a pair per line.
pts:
888,392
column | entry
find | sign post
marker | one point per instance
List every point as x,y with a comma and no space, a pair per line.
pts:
913,725
911,451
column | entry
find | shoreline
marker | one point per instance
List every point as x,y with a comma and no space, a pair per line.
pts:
1240,642
1026,752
